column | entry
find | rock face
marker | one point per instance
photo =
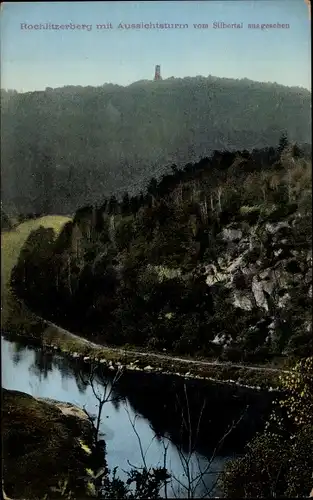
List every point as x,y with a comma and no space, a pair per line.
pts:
68,409
232,234
42,445
264,267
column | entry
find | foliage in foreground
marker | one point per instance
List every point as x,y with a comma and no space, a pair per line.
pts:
141,484
279,462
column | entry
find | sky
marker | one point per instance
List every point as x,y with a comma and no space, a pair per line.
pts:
36,58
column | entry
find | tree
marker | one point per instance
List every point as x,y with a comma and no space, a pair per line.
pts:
279,461
283,143
296,151
147,481
113,205
298,387
126,204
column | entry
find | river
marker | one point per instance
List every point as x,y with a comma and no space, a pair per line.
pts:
154,404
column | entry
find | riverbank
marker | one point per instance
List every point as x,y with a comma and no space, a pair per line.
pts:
20,322
52,336
44,442
16,318
153,401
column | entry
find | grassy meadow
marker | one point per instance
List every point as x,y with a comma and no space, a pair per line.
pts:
13,313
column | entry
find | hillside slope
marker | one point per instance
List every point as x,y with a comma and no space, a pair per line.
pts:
12,241
65,147
216,263
12,311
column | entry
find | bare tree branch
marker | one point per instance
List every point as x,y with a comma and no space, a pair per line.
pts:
195,479
143,455
103,398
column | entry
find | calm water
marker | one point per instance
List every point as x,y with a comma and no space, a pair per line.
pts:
154,404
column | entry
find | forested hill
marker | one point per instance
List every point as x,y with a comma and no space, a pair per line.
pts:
215,259
65,147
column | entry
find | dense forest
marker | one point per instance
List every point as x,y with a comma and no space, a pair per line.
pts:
214,259
67,147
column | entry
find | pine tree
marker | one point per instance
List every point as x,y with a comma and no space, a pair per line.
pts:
283,142
113,205
126,204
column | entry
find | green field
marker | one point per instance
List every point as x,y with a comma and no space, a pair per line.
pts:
13,313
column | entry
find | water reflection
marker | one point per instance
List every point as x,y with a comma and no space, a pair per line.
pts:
79,383
17,353
154,408
42,364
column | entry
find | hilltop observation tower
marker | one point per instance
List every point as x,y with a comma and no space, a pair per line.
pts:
157,74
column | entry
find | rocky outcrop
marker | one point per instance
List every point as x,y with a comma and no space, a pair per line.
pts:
44,442
261,267
253,280
68,409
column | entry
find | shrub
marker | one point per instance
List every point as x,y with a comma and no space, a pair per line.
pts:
279,461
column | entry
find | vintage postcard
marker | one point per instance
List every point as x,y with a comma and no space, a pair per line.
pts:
156,243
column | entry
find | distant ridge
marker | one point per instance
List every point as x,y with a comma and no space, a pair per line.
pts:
88,142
